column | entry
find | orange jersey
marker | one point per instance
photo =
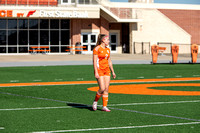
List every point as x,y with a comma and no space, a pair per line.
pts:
103,55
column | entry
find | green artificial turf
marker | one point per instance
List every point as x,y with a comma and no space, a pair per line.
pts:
74,101
85,72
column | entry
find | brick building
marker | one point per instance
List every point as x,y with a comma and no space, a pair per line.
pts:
132,26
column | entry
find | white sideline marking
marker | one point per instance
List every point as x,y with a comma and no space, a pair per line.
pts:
62,107
196,75
36,108
140,77
154,103
112,128
1,128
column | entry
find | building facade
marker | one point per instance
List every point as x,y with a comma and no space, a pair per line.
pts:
62,24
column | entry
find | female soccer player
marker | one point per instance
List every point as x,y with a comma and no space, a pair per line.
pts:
102,66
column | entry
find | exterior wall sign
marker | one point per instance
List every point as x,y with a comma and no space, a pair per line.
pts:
11,13
43,13
65,14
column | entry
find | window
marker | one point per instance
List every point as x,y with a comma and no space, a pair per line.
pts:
23,49
33,37
113,39
68,1
44,24
12,37
85,38
65,37
93,38
2,37
65,24
44,37
3,24
12,24
54,37
33,24
23,37
18,35
54,23
23,24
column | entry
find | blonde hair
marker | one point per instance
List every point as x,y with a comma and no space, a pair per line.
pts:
100,39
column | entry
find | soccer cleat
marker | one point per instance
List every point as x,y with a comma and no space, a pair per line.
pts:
105,109
94,105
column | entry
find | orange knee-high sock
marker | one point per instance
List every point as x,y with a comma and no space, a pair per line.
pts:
105,100
98,95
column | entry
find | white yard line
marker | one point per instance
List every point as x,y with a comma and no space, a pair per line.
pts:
127,104
37,108
1,128
115,128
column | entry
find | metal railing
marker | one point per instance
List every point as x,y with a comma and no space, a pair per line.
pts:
145,47
141,47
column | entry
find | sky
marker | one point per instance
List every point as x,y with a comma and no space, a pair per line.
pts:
168,1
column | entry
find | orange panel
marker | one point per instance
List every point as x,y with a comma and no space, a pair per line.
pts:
22,2
11,2
53,2
2,2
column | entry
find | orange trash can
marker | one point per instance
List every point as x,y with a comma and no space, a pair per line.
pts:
194,52
175,50
154,52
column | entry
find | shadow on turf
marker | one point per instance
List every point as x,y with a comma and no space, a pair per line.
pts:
80,106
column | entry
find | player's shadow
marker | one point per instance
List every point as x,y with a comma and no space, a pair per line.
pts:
80,106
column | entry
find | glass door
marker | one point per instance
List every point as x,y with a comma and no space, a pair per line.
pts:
88,41
113,42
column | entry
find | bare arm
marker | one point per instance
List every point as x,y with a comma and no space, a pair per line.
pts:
95,66
111,68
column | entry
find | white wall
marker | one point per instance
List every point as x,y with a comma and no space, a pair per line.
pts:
156,27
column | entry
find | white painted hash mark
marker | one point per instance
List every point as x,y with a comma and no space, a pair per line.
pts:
13,81
37,80
58,79
115,128
159,76
79,78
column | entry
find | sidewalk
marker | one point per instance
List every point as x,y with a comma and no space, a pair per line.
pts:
64,59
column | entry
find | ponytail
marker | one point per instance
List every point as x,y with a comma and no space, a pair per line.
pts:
100,38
